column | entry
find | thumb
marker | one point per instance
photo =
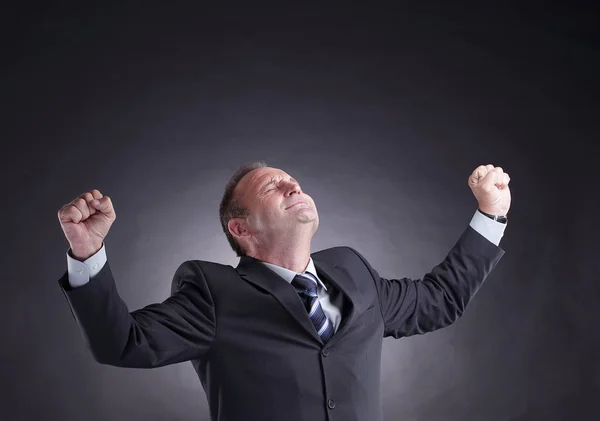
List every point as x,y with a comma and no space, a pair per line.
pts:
101,203
104,206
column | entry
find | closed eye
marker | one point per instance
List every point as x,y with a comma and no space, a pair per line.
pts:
275,183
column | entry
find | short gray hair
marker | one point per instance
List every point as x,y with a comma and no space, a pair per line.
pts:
231,207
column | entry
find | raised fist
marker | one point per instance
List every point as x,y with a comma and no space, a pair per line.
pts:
85,221
490,187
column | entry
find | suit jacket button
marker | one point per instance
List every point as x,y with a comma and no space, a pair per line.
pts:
325,352
331,403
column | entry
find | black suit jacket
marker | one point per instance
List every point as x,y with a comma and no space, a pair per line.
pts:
251,341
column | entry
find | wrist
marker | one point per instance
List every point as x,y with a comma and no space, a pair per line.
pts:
497,218
84,253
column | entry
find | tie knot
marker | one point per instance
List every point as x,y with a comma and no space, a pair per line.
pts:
305,283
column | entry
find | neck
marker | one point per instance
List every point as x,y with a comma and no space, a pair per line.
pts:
290,254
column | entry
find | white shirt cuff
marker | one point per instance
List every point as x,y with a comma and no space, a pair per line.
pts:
80,273
490,229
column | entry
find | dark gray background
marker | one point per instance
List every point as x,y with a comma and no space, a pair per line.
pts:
380,114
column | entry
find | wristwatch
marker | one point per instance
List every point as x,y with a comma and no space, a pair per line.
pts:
498,218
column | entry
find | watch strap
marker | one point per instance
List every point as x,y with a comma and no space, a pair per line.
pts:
498,218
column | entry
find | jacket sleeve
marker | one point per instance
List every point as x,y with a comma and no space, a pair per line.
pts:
416,306
179,329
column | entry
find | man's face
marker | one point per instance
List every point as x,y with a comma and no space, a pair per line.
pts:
277,205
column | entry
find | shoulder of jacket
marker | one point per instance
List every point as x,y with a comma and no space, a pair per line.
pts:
204,265
203,270
339,251
203,274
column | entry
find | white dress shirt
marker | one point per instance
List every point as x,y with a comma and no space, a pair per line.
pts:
80,273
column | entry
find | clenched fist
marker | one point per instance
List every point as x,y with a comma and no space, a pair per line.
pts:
490,187
86,223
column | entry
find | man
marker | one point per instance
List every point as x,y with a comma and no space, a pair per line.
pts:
286,335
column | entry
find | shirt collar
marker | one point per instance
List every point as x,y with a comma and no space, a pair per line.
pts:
289,275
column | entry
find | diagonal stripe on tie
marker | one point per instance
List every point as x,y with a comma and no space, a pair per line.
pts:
306,285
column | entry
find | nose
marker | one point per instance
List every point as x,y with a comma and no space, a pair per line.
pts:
291,188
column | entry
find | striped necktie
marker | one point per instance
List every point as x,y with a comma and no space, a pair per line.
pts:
306,286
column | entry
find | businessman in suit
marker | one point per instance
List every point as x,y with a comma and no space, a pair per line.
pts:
285,335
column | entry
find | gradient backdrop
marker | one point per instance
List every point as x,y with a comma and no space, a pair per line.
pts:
380,114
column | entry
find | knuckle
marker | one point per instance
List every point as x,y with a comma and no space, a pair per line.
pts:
66,212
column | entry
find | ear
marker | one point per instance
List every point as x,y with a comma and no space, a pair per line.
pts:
238,228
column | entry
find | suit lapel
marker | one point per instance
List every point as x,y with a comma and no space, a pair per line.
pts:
253,271
341,281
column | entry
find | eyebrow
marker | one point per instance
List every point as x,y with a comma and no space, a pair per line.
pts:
273,181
